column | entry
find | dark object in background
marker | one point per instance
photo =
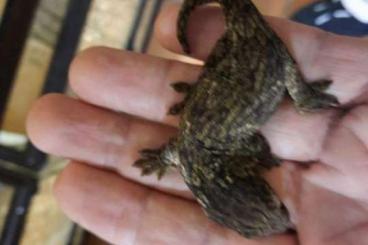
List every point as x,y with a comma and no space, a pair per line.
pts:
14,29
331,16
19,169
12,40
23,189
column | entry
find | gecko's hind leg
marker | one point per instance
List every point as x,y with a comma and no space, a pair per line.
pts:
258,147
157,160
321,85
315,98
311,96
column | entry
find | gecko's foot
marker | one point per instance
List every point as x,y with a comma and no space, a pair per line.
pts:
321,85
176,109
181,87
151,162
316,99
269,161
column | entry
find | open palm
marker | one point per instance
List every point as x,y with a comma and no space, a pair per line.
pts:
122,107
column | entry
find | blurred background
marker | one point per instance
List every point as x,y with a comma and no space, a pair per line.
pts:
38,39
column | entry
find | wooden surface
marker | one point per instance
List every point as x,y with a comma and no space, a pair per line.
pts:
33,64
39,47
2,4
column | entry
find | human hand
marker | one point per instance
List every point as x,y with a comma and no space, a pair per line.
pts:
122,105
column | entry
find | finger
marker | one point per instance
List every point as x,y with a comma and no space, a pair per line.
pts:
134,83
72,129
122,212
69,128
91,83
320,55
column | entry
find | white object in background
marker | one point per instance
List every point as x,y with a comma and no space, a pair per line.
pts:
12,139
358,8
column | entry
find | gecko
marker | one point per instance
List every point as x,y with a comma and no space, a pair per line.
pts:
219,149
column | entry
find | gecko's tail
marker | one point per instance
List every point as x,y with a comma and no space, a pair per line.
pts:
235,8
182,25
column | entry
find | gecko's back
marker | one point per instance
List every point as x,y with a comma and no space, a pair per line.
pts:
220,151
220,147
242,81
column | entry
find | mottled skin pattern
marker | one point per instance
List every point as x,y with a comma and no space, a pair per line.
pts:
219,149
